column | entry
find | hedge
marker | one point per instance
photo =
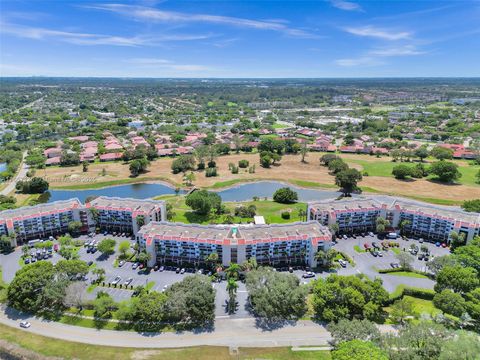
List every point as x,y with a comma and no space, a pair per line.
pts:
425,294
394,270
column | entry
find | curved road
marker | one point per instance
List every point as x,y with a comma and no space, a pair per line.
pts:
20,175
227,332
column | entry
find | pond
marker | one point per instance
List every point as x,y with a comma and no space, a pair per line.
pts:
3,167
241,192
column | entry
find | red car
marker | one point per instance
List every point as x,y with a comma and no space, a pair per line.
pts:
444,245
55,247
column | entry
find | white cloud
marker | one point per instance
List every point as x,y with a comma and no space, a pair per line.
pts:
156,15
371,31
167,64
407,50
78,38
346,5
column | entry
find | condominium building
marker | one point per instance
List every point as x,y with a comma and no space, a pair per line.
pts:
41,221
124,214
275,244
44,220
432,222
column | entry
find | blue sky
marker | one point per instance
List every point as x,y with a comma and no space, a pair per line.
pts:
148,38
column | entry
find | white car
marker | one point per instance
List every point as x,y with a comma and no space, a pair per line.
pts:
342,262
308,274
116,280
25,324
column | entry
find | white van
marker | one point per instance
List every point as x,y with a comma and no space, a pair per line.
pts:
392,235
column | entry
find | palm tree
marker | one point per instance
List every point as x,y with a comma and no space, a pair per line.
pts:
232,293
233,271
403,224
304,151
302,214
100,272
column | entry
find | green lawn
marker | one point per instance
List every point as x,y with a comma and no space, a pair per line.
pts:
408,274
73,350
98,185
267,208
384,168
358,249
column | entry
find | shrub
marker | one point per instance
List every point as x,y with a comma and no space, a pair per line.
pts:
234,169
285,215
285,196
212,164
243,164
210,172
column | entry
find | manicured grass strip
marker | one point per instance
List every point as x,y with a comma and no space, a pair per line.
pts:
408,274
358,249
73,350
312,184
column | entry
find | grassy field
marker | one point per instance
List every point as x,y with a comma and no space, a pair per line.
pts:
420,306
270,210
408,274
26,342
291,169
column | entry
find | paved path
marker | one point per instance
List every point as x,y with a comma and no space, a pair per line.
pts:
227,332
20,175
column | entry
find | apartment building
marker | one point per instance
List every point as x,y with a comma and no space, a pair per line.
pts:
124,214
275,244
432,222
42,221
51,219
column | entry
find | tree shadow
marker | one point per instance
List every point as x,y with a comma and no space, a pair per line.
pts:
270,325
193,217
439,182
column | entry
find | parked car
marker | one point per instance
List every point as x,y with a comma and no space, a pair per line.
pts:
116,280
56,247
135,265
342,263
394,265
155,268
444,245
182,271
370,234
380,253
105,233
308,274
25,324
420,256
90,263
121,263
94,250
420,240
177,270
161,268
375,253
290,269
128,281
437,244
141,266
27,261
344,236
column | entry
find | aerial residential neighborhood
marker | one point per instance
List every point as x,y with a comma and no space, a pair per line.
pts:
240,180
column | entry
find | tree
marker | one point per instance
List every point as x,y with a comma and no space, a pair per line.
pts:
74,227
401,309
405,260
85,166
348,180
439,262
72,269
233,271
203,201
441,153
144,257
347,330
189,178
34,186
404,224
212,259
469,255
68,252
416,341
103,305
148,311
445,171
381,224
285,196
348,297
457,278
75,295
327,158
123,249
107,246
24,292
401,172
358,350
191,302
232,287
421,153
183,163
464,343
326,258
100,273
138,166
6,244
276,296
337,165
456,240
471,205
304,151
450,302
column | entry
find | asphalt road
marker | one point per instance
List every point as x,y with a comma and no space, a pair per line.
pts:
20,175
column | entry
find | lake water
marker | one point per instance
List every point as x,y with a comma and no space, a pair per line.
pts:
3,167
241,192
